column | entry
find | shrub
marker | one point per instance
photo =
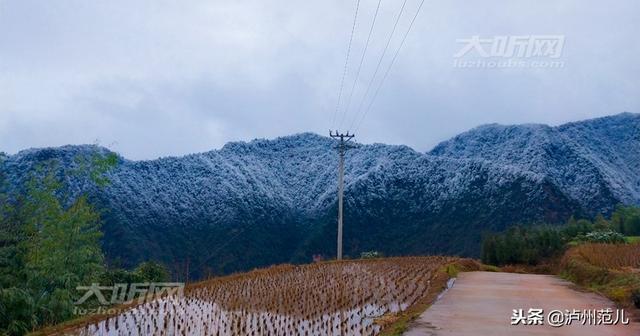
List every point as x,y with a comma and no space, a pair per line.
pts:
371,255
152,272
609,237
18,311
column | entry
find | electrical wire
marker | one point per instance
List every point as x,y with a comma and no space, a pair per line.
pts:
386,74
346,63
384,52
364,53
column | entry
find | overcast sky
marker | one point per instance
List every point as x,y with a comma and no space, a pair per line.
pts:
156,78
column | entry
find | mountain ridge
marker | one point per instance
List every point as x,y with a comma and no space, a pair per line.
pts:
260,202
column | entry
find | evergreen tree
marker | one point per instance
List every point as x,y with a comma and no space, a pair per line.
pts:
626,220
152,272
49,244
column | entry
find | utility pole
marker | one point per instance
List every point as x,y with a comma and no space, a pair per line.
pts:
342,147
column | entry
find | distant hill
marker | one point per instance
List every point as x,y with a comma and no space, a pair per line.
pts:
274,201
592,161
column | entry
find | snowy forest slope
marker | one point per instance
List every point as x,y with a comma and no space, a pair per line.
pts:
273,201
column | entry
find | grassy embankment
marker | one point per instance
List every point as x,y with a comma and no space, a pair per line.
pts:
612,270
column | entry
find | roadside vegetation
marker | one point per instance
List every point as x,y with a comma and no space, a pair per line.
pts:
50,244
610,269
601,255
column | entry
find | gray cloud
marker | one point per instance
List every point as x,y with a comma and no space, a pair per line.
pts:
174,77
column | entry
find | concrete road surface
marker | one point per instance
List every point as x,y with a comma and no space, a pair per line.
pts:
482,303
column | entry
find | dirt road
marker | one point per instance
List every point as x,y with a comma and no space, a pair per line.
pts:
482,303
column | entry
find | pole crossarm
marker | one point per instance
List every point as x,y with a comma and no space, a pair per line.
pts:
341,136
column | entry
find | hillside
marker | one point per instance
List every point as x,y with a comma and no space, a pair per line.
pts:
273,201
593,161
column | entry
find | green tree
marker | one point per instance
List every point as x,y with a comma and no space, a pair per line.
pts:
93,168
49,244
62,247
10,236
17,311
626,220
66,246
601,224
523,245
152,272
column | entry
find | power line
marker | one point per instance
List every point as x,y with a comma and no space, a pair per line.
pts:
346,62
364,53
404,38
384,52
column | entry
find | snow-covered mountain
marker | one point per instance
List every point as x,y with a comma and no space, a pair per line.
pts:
268,201
592,161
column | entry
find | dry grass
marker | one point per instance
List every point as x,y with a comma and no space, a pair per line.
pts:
608,269
610,256
332,298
